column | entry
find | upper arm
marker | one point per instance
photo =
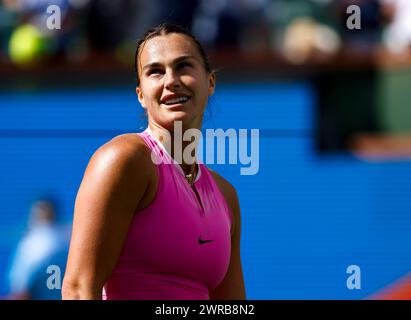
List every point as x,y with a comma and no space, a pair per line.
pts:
114,183
232,287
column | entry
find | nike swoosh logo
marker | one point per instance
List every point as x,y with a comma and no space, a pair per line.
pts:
200,241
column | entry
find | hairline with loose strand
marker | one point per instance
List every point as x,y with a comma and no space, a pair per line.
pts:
162,30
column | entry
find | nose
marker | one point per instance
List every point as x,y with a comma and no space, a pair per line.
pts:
171,79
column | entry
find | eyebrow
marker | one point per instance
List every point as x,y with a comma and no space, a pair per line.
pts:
158,64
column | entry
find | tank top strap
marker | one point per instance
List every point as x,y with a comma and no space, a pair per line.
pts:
158,155
162,156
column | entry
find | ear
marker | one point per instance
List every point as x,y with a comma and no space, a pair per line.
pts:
211,83
140,97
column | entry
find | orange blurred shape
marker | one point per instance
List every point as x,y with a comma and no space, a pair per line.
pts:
383,146
399,290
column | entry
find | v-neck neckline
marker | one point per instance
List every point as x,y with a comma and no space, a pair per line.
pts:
192,187
177,165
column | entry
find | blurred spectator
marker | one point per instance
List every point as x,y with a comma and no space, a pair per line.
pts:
178,11
305,37
205,24
369,35
229,23
119,25
106,22
297,28
31,38
397,35
302,29
44,245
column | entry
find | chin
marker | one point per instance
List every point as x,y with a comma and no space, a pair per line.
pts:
178,116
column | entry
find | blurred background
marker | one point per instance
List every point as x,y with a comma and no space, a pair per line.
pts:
329,90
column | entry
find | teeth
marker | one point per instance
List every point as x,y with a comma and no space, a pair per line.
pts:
176,100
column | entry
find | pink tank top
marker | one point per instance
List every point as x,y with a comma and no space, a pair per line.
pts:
177,248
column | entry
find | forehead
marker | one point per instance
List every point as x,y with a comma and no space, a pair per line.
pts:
167,48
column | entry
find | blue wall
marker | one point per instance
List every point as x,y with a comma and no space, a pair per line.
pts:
306,216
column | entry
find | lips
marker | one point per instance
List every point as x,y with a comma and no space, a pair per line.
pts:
174,99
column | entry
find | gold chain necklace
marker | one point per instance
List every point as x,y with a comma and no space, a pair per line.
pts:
190,176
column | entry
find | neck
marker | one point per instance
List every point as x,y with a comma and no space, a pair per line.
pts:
184,152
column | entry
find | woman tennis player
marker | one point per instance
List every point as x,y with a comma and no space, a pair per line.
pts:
158,230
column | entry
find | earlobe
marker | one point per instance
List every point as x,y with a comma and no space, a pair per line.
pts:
140,97
211,84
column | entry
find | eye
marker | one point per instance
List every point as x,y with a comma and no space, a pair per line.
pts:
154,72
183,64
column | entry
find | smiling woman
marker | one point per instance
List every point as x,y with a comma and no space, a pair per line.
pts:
160,229
175,79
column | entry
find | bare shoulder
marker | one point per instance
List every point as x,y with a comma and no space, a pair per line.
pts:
226,187
126,145
124,158
123,163
126,150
